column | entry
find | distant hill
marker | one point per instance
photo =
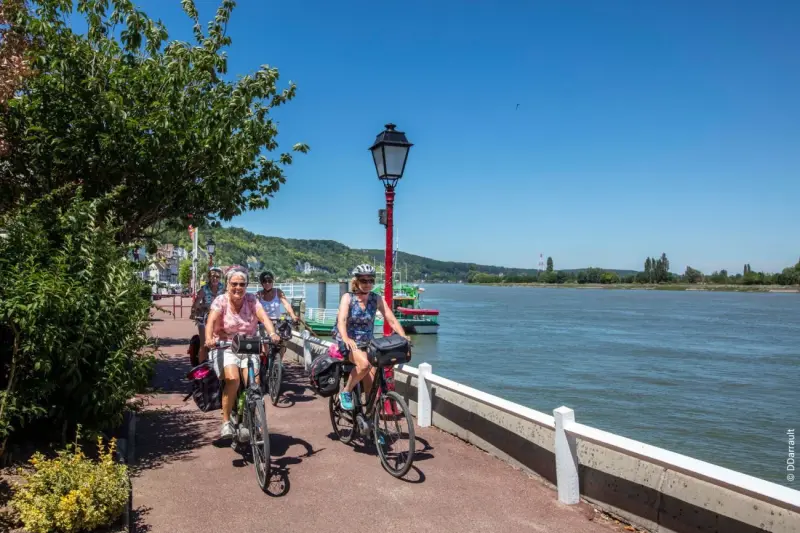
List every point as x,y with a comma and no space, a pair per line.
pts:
329,259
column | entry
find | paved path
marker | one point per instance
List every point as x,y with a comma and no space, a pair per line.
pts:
184,482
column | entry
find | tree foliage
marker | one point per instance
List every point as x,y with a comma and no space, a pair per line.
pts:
73,319
549,264
13,64
120,108
185,272
692,275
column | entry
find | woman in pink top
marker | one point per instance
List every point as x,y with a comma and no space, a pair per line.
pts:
235,311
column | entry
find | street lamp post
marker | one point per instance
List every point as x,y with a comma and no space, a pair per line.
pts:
389,153
210,246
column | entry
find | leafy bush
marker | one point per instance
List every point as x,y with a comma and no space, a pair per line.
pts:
72,493
73,323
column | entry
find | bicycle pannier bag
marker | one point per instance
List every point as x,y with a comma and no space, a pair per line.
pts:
243,344
388,351
205,388
325,373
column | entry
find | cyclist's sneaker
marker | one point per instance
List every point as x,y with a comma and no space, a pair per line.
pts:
346,399
227,430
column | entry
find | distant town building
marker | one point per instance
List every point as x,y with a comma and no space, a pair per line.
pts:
308,268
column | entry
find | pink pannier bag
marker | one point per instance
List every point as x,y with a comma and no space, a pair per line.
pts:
334,352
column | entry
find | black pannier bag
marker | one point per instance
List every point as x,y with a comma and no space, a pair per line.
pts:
324,374
243,344
205,392
388,351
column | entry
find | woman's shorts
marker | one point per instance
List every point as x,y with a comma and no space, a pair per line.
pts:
222,358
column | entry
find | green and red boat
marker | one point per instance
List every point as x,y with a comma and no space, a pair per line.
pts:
406,305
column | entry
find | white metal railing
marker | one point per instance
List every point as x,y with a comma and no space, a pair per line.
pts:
290,290
293,290
321,315
567,430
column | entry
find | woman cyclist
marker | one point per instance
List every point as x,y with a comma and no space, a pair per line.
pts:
202,303
355,324
235,311
272,298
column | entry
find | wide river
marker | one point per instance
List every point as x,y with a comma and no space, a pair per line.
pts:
710,375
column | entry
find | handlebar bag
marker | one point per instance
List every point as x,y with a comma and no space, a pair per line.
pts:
388,351
246,344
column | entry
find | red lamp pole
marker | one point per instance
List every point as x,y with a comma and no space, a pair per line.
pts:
388,291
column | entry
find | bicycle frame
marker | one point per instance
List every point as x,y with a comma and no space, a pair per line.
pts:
378,384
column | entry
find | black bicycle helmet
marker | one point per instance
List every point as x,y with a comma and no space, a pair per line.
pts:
266,276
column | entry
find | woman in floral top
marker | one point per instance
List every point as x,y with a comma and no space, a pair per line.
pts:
235,311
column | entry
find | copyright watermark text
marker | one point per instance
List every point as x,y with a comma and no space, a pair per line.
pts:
790,457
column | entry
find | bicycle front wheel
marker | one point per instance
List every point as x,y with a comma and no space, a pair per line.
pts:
275,380
390,431
259,441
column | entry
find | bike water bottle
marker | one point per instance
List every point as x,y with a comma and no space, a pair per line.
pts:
240,404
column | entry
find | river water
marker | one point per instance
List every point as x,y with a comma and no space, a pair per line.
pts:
707,374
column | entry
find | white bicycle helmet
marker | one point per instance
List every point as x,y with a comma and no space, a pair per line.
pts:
364,269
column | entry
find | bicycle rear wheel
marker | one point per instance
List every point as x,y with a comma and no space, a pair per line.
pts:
388,427
259,440
275,379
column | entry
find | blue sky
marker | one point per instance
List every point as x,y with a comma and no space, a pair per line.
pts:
642,127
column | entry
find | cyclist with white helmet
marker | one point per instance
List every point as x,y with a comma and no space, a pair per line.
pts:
202,304
355,324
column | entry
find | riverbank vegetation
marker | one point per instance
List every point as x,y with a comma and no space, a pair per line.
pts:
656,275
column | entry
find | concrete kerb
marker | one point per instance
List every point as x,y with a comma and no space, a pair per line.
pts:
126,454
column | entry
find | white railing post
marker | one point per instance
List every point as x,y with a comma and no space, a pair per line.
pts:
307,359
566,458
424,396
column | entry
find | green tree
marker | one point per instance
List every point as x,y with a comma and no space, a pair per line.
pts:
692,275
663,268
74,347
720,277
185,272
648,266
609,277
549,264
117,108
13,66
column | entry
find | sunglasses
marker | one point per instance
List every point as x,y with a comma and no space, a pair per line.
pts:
237,284
268,280
369,281
215,277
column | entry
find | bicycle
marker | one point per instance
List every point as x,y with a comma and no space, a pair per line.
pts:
249,417
271,368
366,418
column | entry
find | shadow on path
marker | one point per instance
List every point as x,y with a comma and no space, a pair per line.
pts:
168,435
170,375
164,342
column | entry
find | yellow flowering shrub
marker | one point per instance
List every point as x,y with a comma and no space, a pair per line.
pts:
71,492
